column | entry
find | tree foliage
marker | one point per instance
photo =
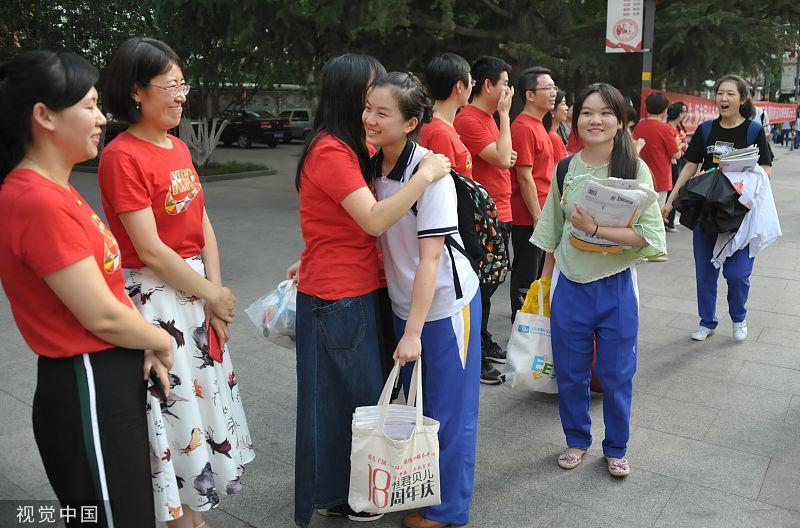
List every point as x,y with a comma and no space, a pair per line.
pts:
275,41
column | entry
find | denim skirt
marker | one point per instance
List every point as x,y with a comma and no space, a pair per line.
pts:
342,350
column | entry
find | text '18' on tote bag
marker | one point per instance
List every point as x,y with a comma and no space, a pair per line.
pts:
529,363
394,462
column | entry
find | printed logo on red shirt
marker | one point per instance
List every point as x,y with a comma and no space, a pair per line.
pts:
111,258
469,162
183,182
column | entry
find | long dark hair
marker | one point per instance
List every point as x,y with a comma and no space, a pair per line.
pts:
56,79
411,97
624,161
344,82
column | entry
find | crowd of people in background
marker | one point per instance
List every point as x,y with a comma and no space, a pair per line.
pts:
141,295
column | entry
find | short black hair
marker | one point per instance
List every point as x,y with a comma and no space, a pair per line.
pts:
675,109
528,80
444,72
137,61
57,79
488,68
656,103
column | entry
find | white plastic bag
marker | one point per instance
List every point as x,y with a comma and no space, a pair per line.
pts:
275,313
394,462
529,357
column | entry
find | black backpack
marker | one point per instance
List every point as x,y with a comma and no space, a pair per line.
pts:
561,172
484,245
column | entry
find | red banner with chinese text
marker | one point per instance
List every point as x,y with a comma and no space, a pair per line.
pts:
702,109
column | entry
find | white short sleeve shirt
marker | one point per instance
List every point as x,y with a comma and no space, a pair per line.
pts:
436,215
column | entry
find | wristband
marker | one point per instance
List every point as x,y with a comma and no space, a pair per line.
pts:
597,226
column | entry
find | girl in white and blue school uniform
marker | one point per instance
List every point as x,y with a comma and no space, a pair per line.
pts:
433,289
594,295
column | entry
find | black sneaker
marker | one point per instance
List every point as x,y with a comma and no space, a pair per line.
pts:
489,374
495,354
344,510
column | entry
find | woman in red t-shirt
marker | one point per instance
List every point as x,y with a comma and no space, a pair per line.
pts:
553,122
342,303
60,268
155,207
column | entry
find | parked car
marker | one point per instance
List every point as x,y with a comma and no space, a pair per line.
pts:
246,127
298,123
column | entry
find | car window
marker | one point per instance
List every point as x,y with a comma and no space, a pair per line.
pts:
302,116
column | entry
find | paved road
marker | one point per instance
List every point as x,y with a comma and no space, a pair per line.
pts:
716,426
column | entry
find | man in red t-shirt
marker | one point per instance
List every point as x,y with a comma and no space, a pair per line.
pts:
533,173
661,144
492,155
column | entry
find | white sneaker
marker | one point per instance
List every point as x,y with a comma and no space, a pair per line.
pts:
740,331
702,333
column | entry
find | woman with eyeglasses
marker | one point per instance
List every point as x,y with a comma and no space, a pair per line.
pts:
155,207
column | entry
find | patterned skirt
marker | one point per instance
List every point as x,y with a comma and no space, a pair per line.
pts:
199,439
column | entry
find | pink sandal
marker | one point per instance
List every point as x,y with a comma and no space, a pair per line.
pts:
618,467
571,458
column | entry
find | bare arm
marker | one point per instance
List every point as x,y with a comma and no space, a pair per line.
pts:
376,217
688,171
528,190
169,266
409,347
549,265
499,153
212,266
105,316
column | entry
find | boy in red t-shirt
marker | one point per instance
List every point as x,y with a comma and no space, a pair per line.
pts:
450,85
533,173
492,155
661,143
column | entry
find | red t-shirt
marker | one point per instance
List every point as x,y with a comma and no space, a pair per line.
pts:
559,150
477,130
441,138
574,143
340,259
534,149
135,174
45,228
660,145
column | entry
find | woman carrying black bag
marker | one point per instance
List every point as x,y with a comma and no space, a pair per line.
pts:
731,130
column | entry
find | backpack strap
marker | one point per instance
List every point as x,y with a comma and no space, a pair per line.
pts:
561,172
753,131
451,243
705,130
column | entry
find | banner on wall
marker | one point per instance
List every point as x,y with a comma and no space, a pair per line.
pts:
702,109
624,26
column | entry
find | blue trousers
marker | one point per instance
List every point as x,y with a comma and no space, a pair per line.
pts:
736,269
451,367
606,310
339,347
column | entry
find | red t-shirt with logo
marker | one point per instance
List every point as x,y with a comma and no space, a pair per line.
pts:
442,138
660,145
478,130
559,150
135,174
45,228
340,259
534,149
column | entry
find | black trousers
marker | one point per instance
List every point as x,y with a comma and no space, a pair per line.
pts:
89,424
676,172
487,290
526,267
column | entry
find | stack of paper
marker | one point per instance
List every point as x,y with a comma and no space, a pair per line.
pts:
612,202
739,160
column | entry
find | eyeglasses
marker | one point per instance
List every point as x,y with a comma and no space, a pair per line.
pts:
552,88
174,91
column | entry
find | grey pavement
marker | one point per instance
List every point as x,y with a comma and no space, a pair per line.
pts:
715,439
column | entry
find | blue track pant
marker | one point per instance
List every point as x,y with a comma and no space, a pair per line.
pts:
451,352
736,269
608,310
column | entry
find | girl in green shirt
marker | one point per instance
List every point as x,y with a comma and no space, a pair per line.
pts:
594,294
